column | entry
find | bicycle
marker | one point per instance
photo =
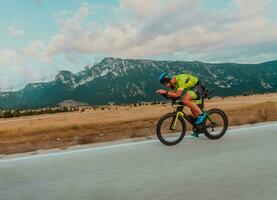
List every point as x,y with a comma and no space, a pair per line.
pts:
171,127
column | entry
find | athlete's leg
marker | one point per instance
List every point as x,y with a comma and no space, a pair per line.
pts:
187,100
194,114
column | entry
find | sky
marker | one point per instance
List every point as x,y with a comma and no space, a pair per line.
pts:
38,38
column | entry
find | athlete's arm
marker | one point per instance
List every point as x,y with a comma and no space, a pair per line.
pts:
174,94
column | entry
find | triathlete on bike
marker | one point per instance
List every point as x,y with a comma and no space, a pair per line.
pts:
185,87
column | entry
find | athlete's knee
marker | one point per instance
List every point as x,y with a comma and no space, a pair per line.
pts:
186,101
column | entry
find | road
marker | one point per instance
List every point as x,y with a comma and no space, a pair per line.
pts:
242,165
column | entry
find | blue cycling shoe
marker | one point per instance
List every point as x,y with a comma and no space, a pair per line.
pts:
201,118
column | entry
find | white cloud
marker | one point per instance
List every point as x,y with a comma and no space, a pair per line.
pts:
71,29
34,48
142,7
62,14
57,44
37,51
8,57
14,31
159,27
73,24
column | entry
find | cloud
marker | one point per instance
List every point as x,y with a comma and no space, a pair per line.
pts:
14,31
62,14
15,77
8,57
142,7
73,24
242,31
159,27
71,29
34,48
57,44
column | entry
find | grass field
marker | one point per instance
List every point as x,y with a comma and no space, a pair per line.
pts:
93,126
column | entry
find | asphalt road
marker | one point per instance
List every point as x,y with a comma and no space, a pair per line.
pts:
242,165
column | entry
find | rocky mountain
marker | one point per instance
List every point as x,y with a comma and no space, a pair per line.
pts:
129,80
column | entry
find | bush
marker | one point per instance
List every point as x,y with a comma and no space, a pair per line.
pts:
19,113
7,114
155,103
65,109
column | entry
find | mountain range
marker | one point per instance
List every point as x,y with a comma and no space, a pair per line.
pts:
133,80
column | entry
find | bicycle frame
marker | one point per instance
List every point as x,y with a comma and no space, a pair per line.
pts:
210,127
180,113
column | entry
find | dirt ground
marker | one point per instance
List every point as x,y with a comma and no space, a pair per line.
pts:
93,126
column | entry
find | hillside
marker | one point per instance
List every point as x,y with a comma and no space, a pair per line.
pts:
129,80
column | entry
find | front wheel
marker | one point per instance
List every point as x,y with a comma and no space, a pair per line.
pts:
171,130
216,124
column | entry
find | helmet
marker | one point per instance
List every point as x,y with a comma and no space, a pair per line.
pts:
165,78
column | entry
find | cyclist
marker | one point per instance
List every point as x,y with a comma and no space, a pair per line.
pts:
186,87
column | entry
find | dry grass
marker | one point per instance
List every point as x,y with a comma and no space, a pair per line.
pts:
66,129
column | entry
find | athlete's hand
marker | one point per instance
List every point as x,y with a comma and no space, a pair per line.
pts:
161,91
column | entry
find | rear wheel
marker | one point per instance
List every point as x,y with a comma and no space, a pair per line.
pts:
169,134
215,124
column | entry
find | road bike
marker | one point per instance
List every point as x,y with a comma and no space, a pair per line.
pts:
171,127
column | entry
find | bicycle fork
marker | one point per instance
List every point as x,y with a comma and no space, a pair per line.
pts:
174,121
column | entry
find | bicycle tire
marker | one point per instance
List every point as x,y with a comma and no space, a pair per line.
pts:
225,126
159,125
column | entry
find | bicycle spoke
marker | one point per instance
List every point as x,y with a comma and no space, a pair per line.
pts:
214,123
171,129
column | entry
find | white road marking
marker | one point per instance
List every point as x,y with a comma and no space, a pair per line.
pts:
53,154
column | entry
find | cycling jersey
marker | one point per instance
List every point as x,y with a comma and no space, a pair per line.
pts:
185,81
